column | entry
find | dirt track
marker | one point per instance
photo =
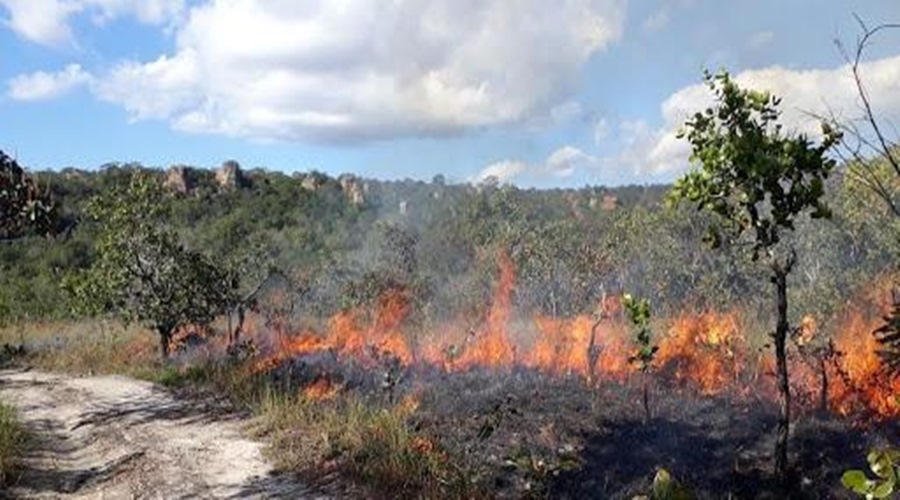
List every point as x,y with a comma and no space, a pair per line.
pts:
115,437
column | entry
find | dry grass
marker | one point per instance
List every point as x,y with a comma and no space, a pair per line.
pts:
86,347
12,441
377,446
348,436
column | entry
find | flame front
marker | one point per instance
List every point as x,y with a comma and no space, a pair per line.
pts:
706,350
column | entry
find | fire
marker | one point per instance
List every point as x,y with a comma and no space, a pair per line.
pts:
348,335
707,351
320,389
860,381
490,346
807,330
564,347
702,348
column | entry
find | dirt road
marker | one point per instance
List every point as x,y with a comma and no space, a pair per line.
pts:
115,437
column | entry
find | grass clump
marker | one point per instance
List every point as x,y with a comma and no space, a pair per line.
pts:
12,442
379,447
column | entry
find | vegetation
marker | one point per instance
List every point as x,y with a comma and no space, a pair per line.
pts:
884,464
287,254
757,181
24,209
638,311
142,272
12,442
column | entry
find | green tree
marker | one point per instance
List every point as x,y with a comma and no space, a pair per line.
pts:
141,271
638,311
756,180
24,207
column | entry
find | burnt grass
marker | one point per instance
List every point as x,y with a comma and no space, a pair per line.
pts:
520,433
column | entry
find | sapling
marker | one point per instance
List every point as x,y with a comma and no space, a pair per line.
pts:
638,311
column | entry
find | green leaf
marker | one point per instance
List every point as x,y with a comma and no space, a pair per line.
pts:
857,481
882,490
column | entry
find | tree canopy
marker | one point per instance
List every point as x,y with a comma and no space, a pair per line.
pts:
142,272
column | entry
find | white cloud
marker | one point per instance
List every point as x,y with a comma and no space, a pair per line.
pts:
503,171
656,21
364,70
561,164
42,85
47,21
804,93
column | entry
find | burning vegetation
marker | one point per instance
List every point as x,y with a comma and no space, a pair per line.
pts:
531,403
708,352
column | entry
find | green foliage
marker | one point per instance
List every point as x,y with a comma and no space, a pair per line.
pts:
24,207
12,441
884,464
755,178
567,248
638,311
666,487
142,272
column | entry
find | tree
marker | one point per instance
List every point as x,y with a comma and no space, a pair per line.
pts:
638,311
24,209
244,271
23,206
756,180
141,271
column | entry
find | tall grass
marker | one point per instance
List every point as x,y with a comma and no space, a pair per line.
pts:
12,442
86,347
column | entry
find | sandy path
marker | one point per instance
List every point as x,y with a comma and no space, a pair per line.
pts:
115,437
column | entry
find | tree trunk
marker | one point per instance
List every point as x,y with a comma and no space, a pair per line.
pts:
165,337
823,395
646,397
240,324
784,389
230,331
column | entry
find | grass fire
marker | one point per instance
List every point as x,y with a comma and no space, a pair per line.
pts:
725,326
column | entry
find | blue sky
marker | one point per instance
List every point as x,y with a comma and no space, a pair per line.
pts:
537,93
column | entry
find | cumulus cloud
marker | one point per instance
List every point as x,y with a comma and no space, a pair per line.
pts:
805,94
354,71
48,21
41,85
561,164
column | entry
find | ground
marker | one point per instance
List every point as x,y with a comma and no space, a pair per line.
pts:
115,437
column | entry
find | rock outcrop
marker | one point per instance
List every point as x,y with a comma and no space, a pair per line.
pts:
229,176
353,189
178,179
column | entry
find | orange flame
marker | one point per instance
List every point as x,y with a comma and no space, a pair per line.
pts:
703,349
321,389
491,347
